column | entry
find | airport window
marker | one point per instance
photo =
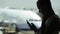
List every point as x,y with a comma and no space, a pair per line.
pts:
16,16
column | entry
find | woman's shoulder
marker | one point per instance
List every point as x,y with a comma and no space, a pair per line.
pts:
53,19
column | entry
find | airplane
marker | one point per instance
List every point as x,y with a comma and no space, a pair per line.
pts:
19,17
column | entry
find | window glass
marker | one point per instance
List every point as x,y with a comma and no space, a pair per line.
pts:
18,11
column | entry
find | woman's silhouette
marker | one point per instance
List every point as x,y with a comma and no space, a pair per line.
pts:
50,21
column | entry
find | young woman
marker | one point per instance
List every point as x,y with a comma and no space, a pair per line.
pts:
50,21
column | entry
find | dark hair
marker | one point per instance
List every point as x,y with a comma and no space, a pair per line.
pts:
45,7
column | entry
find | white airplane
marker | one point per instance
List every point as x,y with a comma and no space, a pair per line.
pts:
19,17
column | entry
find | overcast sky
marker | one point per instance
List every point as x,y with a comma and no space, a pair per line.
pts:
27,4
18,3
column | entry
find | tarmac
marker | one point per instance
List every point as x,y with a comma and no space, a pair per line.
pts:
26,32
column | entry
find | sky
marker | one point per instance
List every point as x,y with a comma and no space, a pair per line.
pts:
55,4
27,4
18,3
